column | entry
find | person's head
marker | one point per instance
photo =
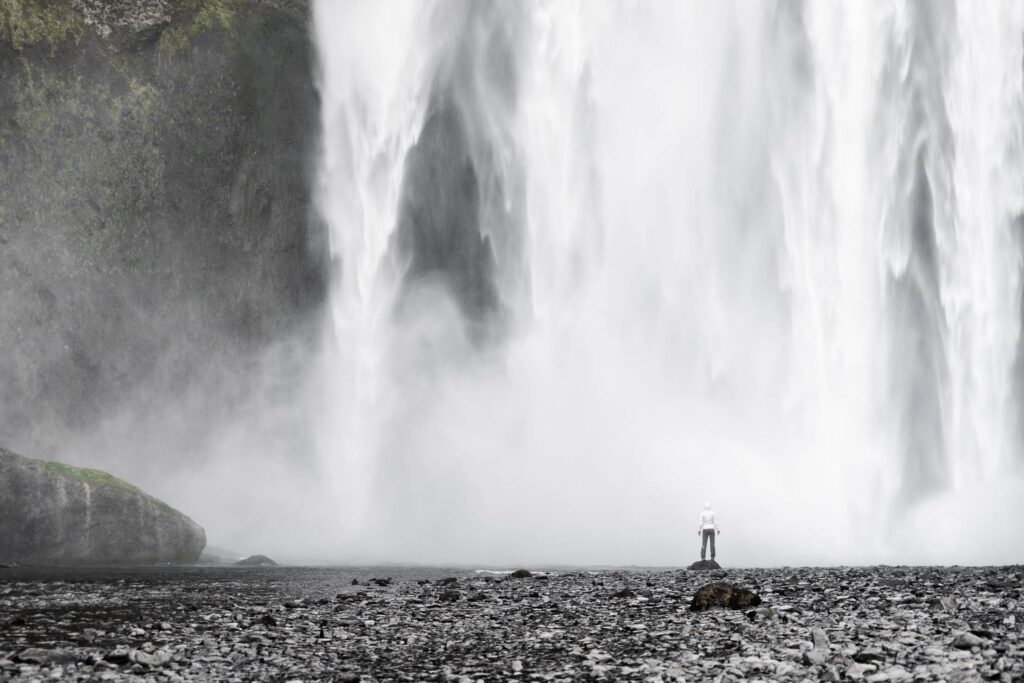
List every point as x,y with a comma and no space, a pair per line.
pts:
707,505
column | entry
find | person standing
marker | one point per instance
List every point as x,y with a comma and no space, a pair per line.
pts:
707,530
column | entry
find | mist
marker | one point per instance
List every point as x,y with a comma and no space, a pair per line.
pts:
525,283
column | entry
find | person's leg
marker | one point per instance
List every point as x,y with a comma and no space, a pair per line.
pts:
703,543
711,533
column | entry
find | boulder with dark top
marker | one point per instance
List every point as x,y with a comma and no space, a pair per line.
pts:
256,561
521,574
52,513
704,565
722,594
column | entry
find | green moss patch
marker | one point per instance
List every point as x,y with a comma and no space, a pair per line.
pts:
29,22
207,16
96,478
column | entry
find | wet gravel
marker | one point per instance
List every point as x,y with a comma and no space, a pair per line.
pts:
412,624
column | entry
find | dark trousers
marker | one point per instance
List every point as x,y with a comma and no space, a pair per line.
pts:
707,534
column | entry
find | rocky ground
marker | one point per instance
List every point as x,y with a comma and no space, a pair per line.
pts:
243,623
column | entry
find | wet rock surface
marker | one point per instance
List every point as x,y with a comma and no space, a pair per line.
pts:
704,565
256,561
54,513
246,623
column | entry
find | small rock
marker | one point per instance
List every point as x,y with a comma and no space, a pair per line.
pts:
820,638
943,602
829,673
856,671
624,593
517,666
153,660
448,596
965,641
521,574
760,614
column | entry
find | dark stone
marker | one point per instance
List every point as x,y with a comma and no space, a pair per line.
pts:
760,614
256,561
268,620
52,513
704,565
722,594
355,582
448,596
448,581
386,581
521,574
624,593
965,641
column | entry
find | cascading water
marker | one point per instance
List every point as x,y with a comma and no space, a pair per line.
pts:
597,262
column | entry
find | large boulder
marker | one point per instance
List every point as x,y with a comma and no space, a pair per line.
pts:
52,513
722,594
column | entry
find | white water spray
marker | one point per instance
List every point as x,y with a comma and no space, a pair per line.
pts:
757,254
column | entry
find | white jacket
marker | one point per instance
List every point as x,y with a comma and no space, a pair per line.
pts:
707,520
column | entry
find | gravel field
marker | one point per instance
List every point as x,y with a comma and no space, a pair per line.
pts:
410,624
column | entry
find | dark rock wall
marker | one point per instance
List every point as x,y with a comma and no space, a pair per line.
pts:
156,231
462,208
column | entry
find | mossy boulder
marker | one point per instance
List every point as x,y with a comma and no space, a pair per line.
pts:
52,513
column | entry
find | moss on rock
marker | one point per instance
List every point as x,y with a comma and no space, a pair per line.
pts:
31,22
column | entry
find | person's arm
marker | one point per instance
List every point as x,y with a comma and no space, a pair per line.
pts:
715,522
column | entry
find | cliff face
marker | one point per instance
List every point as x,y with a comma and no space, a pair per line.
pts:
51,513
156,232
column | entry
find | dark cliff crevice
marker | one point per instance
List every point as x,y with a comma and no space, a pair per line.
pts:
460,220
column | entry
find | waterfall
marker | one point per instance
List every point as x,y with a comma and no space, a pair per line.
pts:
597,262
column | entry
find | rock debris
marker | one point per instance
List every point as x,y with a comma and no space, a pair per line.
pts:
309,624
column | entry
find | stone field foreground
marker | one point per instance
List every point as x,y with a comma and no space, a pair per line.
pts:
871,624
